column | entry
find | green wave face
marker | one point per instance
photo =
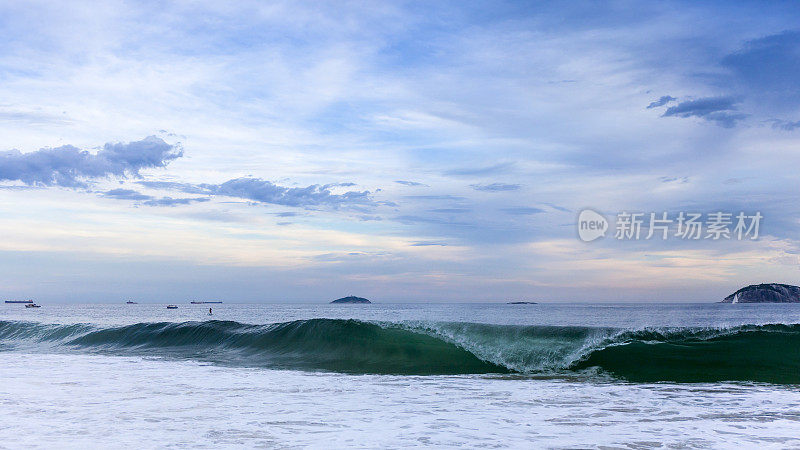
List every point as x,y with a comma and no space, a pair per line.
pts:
769,353
766,353
346,346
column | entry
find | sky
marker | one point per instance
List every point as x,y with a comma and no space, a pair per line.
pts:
400,151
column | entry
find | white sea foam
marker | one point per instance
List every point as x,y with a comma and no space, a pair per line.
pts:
92,401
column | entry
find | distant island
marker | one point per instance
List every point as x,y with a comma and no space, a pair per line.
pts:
351,299
765,293
521,303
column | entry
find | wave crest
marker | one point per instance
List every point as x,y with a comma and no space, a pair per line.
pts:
763,353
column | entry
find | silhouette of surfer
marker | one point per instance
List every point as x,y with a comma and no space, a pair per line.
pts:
209,312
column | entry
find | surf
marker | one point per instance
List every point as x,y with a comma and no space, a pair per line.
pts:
749,353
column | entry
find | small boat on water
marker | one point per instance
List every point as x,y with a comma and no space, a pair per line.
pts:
33,305
129,302
172,306
19,301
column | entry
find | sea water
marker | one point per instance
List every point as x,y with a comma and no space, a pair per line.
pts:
392,375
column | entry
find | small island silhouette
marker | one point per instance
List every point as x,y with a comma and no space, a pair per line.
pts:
765,293
520,303
351,299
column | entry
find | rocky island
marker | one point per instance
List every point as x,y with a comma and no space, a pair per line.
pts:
765,293
351,299
520,303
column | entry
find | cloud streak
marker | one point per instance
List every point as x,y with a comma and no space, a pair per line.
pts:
68,166
495,187
410,183
126,194
149,200
786,125
661,101
263,191
480,171
522,210
169,201
767,68
716,109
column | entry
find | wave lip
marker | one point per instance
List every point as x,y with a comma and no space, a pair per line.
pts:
754,353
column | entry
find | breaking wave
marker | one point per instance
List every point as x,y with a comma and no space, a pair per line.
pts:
758,353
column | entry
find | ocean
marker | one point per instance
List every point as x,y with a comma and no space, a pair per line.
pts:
552,375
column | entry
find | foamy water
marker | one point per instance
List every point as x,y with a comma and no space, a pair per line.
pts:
81,401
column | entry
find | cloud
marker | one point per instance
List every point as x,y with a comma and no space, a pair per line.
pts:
428,244
410,183
451,210
412,219
263,191
34,117
701,107
19,188
495,187
768,67
69,166
169,201
149,200
736,180
481,171
761,75
219,75
679,180
266,192
126,194
435,197
715,109
171,185
785,125
559,208
343,256
661,101
522,210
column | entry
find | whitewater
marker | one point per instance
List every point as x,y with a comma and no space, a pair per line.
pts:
443,375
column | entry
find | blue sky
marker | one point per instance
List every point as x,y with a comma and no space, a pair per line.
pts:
402,151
